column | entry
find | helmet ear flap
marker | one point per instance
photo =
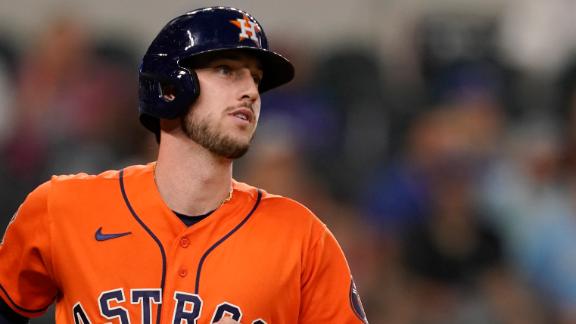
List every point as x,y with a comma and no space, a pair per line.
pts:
166,89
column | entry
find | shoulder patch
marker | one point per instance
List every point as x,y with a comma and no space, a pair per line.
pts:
356,303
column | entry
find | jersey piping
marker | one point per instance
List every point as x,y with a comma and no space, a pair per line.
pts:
161,247
154,237
215,245
22,308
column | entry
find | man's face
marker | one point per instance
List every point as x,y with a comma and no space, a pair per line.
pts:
224,117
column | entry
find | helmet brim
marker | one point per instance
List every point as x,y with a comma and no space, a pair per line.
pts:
277,70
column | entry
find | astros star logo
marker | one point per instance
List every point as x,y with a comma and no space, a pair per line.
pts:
248,28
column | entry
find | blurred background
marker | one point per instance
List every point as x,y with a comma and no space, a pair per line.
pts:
435,138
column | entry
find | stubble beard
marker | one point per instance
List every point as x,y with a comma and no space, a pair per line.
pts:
201,132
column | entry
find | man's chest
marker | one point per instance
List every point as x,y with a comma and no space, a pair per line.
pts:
123,271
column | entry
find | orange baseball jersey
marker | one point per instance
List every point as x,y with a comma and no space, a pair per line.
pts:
107,248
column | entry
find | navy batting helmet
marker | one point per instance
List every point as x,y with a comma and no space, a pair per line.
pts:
166,65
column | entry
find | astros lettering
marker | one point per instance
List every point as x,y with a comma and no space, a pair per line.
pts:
188,308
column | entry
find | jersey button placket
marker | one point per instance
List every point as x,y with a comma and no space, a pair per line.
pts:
184,242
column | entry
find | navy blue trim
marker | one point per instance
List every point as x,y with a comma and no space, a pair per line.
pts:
9,316
22,308
163,281
215,245
191,220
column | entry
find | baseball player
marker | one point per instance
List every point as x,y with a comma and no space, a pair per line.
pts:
178,240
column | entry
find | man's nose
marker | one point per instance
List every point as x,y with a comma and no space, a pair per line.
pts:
249,85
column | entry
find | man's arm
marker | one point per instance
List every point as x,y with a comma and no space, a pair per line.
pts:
8,316
26,284
328,291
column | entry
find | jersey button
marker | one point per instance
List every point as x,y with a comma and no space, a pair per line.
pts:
184,242
183,273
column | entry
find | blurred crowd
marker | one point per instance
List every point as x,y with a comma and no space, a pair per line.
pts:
450,184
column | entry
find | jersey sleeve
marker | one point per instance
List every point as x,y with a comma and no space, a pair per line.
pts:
328,291
26,283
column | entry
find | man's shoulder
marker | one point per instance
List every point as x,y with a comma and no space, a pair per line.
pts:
281,207
92,184
104,176
284,203
79,189
84,177
271,198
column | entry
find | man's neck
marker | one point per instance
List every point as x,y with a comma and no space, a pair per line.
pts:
190,179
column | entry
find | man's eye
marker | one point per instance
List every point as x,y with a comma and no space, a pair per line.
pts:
224,69
257,78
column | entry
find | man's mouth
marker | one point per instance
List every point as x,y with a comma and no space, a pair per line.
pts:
243,114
